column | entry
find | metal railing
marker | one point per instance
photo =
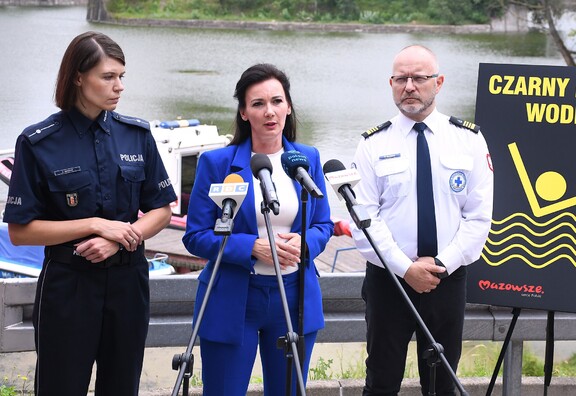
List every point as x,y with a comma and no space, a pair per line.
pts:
172,303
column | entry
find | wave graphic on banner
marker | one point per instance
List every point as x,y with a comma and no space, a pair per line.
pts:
537,244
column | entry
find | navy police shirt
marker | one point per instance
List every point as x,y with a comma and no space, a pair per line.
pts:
69,167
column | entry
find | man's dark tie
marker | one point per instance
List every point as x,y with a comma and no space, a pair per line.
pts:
427,238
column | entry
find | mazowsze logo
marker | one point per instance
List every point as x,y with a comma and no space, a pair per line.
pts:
524,290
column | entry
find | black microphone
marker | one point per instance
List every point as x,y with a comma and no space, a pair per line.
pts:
262,170
296,165
342,180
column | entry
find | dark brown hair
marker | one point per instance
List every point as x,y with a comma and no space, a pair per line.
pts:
254,75
83,53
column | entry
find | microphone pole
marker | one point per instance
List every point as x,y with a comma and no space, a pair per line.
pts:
435,353
296,166
289,341
185,361
341,180
302,277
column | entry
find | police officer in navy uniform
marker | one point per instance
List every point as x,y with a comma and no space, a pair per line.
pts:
80,178
429,226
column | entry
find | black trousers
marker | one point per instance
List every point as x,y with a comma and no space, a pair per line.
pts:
85,314
390,326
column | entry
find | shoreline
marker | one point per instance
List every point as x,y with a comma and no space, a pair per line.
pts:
291,26
97,13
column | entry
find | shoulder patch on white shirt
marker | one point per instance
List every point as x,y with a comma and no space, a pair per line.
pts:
465,124
376,129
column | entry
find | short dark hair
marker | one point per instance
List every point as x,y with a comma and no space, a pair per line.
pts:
83,53
254,75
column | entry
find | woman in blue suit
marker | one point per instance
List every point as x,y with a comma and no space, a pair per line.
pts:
244,309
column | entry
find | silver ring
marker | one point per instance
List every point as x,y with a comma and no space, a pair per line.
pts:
427,290
133,240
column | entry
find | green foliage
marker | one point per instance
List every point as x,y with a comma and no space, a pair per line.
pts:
363,11
451,12
321,371
7,390
478,360
19,386
531,365
566,368
256,380
557,8
195,380
356,368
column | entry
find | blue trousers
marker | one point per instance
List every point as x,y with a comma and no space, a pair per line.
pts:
226,368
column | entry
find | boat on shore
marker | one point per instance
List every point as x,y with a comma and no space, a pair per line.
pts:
180,144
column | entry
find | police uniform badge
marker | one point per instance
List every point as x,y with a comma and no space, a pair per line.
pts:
72,199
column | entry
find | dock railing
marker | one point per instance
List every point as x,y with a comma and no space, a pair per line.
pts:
172,303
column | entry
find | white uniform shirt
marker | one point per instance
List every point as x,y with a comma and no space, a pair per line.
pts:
462,181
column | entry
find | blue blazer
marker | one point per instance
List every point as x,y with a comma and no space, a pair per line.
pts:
223,319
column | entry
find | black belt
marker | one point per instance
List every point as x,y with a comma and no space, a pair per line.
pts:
67,255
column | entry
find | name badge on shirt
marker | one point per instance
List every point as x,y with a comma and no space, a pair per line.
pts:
389,156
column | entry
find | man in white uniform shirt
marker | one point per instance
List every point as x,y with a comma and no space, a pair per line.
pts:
459,212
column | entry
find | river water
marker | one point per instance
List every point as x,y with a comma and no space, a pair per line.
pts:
339,80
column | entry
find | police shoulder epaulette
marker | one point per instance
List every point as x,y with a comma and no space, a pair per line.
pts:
39,131
131,120
465,124
375,129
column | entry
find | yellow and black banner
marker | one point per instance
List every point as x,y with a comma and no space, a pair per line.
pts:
528,116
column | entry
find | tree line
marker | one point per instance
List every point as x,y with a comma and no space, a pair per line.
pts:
544,13
440,12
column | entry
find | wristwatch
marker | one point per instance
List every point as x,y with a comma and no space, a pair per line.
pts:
439,263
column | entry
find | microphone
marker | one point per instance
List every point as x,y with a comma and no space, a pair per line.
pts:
262,170
296,165
228,196
342,180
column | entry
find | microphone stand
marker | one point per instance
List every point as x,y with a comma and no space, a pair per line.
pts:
302,269
435,353
289,341
185,361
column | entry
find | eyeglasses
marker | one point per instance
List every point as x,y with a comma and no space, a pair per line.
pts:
416,79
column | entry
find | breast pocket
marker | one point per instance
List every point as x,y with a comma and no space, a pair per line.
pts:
454,173
394,176
73,195
131,178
